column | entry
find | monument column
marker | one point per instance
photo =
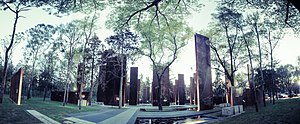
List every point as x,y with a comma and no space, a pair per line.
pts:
133,92
203,72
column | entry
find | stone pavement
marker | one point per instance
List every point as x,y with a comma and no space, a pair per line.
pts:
106,116
127,115
41,117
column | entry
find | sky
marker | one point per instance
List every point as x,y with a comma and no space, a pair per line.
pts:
286,52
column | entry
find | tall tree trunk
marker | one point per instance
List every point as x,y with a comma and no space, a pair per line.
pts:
253,83
92,85
272,68
67,84
260,65
252,72
68,91
29,92
80,95
4,77
232,92
45,93
65,93
121,82
159,95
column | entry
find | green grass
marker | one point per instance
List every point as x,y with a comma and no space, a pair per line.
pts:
285,111
11,113
14,114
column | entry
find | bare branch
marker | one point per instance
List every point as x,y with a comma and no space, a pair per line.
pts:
154,3
287,12
164,17
218,70
177,4
10,8
219,59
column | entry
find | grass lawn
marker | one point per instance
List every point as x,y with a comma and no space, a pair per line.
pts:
11,113
285,111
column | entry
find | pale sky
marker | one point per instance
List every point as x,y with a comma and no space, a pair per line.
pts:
286,52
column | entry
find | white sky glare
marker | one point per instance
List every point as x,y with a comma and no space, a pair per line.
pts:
286,52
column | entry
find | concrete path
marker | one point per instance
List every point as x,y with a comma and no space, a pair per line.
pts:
72,120
128,115
42,118
122,118
106,116
95,116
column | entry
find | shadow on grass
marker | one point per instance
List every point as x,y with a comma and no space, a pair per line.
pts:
11,113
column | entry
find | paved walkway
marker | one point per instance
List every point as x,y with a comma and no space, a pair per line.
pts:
128,115
42,118
122,118
106,116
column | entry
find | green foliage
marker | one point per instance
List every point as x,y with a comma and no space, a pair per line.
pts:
219,88
39,36
40,39
285,77
124,42
283,13
241,80
162,43
95,49
69,36
133,12
58,7
229,51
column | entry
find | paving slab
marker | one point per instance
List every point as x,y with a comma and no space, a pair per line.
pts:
121,118
42,118
96,116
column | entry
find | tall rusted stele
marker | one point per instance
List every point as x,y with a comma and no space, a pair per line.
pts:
133,93
203,73
16,86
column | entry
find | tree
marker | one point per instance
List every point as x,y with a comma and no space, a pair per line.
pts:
47,76
284,12
257,27
38,41
88,27
18,8
127,12
125,44
45,80
247,39
162,45
241,79
274,34
227,44
219,86
70,35
18,38
63,7
95,49
286,74
268,74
